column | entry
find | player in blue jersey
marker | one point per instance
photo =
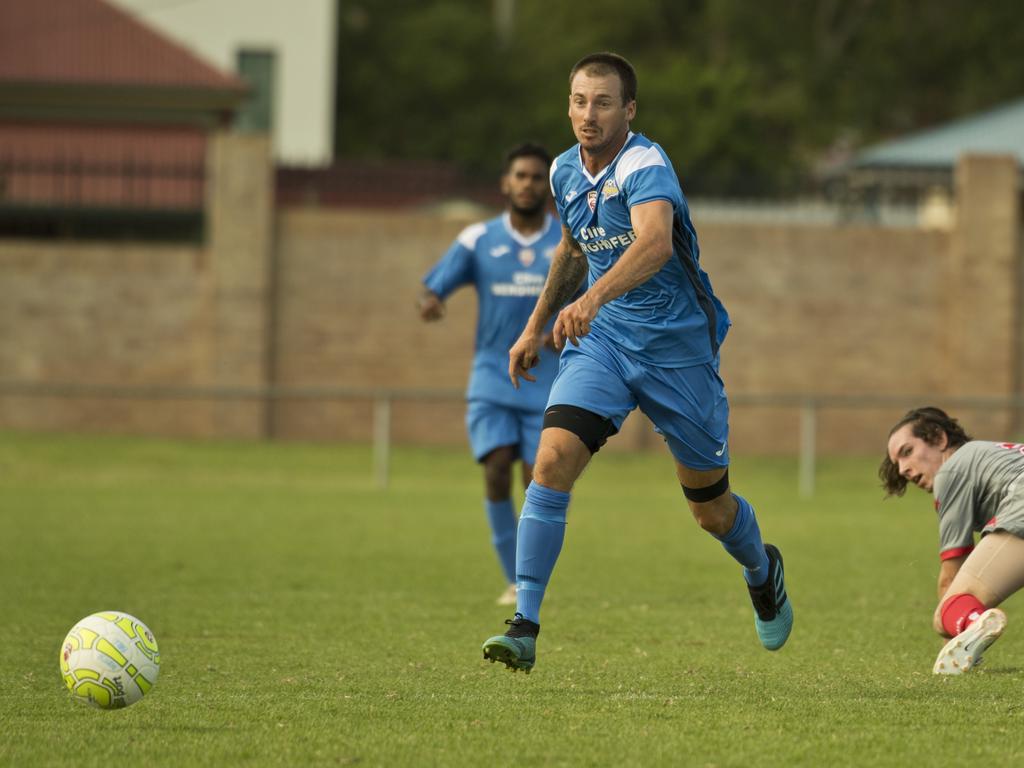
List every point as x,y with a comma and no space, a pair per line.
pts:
506,260
645,333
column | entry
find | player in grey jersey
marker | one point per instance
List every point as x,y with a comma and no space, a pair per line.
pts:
978,488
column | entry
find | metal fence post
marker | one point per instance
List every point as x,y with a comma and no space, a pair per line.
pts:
381,439
808,448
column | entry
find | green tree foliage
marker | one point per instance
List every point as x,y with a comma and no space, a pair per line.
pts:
745,96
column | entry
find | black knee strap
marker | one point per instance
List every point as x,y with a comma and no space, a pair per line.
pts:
592,429
707,493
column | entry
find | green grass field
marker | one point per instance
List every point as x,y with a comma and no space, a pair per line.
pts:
305,618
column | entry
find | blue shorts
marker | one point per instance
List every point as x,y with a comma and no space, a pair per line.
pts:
493,426
688,406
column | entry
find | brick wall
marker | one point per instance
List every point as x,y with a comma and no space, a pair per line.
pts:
325,297
101,315
145,315
814,310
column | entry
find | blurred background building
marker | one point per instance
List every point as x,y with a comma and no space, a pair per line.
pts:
214,217
285,50
103,124
918,169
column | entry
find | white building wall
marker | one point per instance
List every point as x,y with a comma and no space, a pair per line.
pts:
302,34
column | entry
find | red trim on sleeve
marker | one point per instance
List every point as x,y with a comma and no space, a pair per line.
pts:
949,554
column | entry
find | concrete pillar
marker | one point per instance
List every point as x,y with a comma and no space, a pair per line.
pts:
982,294
240,204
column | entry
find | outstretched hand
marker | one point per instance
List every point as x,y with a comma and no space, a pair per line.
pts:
430,306
523,356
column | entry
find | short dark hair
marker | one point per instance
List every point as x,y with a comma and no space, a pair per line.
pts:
526,149
930,424
606,63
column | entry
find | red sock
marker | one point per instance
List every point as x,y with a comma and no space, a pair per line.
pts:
958,611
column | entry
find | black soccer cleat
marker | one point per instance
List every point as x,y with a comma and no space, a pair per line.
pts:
773,614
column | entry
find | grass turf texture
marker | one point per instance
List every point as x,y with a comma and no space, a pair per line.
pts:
306,618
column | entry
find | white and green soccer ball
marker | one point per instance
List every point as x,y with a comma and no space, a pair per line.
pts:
109,660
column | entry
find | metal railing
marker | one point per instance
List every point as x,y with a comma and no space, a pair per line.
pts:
809,405
813,211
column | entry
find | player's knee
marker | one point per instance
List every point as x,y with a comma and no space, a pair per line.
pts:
559,463
498,471
499,485
713,506
549,467
715,517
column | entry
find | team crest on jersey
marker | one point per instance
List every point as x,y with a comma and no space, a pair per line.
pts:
499,251
527,256
592,199
610,189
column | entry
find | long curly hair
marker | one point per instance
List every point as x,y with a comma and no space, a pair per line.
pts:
930,424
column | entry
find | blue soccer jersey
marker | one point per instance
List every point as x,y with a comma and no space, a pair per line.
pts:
673,319
508,271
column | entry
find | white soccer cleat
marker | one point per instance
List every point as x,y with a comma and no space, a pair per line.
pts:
963,652
508,597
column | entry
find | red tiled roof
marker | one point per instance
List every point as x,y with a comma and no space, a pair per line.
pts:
91,42
103,143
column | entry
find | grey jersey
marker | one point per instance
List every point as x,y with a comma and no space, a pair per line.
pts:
976,489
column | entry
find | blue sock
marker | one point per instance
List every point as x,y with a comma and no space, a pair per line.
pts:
502,518
541,532
744,543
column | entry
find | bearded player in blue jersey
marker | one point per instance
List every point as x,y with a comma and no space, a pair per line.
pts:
645,333
506,260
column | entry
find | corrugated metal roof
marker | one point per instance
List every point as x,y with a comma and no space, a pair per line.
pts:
89,42
997,131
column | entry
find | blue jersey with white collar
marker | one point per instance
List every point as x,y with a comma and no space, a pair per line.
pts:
508,270
673,319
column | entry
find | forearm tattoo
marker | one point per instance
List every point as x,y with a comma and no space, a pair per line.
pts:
564,278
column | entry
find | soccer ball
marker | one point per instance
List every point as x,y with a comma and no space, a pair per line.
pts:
109,660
